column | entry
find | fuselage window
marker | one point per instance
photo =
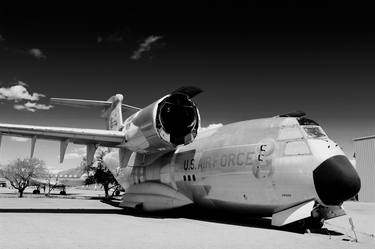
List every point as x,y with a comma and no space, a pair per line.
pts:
296,148
189,178
290,132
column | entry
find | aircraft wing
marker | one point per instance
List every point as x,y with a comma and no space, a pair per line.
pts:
58,182
91,137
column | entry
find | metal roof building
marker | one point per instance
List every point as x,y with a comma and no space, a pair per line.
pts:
364,149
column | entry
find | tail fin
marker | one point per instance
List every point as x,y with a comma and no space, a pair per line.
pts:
113,114
112,108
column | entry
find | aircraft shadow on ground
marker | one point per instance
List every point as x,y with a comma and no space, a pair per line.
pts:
52,196
188,212
42,195
196,213
62,211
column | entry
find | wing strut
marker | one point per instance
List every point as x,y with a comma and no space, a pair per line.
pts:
90,152
33,141
63,146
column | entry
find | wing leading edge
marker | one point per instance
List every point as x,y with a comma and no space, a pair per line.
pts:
90,137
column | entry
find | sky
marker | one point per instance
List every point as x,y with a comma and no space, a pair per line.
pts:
252,61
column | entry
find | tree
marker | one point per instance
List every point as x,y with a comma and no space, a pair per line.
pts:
20,172
98,173
51,183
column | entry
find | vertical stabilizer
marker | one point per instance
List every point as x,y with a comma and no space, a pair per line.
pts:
113,114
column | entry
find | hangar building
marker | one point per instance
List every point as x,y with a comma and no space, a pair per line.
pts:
364,149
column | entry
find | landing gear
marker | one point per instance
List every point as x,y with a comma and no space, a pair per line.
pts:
63,192
308,224
313,223
36,191
322,213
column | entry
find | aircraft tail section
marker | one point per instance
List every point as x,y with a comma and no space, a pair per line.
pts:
113,108
113,113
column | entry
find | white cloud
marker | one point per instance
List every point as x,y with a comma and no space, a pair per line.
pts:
79,153
76,153
145,46
32,106
20,139
69,156
18,92
210,127
37,53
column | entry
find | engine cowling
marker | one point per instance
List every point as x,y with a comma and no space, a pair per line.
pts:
171,121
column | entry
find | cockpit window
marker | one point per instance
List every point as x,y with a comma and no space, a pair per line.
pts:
306,121
313,131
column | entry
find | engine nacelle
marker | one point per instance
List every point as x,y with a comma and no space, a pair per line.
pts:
171,121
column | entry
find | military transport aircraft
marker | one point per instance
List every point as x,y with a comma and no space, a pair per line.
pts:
57,181
284,167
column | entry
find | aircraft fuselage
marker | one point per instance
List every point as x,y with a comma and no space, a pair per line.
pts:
261,166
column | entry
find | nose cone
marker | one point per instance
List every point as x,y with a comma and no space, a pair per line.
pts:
336,180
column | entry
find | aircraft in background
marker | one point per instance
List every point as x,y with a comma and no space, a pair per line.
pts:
57,181
284,167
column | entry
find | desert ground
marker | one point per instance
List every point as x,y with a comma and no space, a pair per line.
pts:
81,220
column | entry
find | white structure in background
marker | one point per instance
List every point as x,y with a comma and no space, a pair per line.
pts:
364,149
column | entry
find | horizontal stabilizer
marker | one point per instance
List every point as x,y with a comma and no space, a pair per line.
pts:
84,103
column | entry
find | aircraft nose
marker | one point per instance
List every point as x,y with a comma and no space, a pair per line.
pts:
336,180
